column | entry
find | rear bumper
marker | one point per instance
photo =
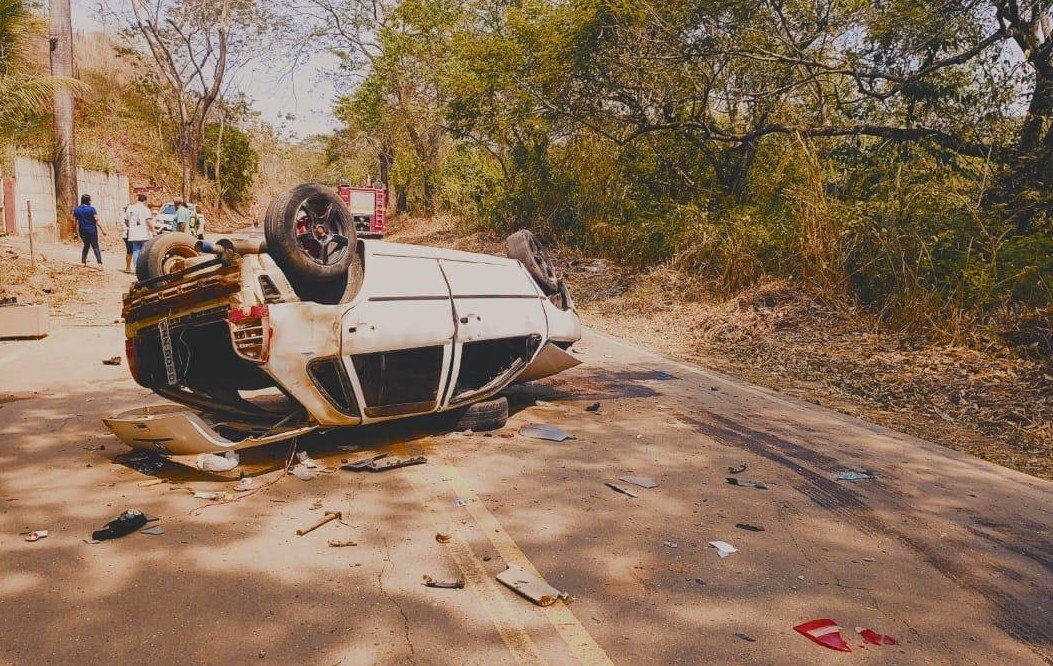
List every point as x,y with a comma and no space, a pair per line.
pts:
175,430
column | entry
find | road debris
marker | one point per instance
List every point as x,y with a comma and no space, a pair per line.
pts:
670,544
153,530
856,475
530,586
244,484
37,535
442,537
461,502
443,584
98,447
723,548
333,543
124,524
211,495
746,637
824,632
113,360
737,469
143,462
749,528
546,403
621,489
760,485
594,408
151,482
211,462
545,432
378,464
329,516
641,481
874,638
664,376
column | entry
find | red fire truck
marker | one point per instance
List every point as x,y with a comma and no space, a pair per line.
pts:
369,207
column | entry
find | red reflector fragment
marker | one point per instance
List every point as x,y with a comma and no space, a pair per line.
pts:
824,632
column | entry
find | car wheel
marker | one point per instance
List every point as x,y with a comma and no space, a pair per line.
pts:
310,234
164,254
482,416
525,247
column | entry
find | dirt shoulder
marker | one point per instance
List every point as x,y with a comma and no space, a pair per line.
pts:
991,404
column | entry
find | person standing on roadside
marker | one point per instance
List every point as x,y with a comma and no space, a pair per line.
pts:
182,217
127,243
88,228
140,226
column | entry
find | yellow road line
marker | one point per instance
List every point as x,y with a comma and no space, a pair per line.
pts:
582,645
491,597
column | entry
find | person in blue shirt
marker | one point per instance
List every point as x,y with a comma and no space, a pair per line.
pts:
88,228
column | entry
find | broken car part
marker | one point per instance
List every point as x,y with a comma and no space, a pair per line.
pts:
737,469
856,475
735,481
723,548
874,638
545,432
530,586
37,535
641,481
748,527
378,464
621,489
443,584
329,516
824,632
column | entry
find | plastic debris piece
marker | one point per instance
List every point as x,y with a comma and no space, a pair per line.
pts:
244,484
442,537
153,530
641,481
530,586
378,463
462,502
746,637
428,581
113,360
211,462
151,482
874,638
723,548
594,408
749,528
37,535
621,489
824,632
856,475
735,481
737,469
545,403
122,525
545,432
333,543
209,494
670,544
664,376
304,473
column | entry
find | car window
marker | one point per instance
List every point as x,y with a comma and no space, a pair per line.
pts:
399,382
169,209
484,361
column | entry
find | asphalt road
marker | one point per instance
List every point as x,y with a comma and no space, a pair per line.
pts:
951,555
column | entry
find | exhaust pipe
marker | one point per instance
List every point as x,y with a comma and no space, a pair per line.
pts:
235,245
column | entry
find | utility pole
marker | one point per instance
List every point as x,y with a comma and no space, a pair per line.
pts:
61,40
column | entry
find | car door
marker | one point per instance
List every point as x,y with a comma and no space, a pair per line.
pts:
500,324
397,339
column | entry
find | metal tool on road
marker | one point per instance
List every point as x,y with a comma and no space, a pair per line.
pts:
329,516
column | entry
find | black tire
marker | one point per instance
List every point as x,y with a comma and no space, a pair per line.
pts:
165,253
324,248
525,247
482,416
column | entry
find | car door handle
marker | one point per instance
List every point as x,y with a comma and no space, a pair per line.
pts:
465,319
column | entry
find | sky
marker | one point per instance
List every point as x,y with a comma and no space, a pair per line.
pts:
305,94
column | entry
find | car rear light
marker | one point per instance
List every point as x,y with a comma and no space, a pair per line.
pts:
129,352
251,333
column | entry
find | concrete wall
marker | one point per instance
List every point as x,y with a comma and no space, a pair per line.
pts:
35,188
35,183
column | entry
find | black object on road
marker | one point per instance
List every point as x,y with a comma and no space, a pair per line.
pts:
377,464
122,525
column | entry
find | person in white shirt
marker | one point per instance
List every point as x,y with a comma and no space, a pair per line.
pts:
139,220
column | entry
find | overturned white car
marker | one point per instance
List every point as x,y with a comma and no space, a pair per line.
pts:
313,329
